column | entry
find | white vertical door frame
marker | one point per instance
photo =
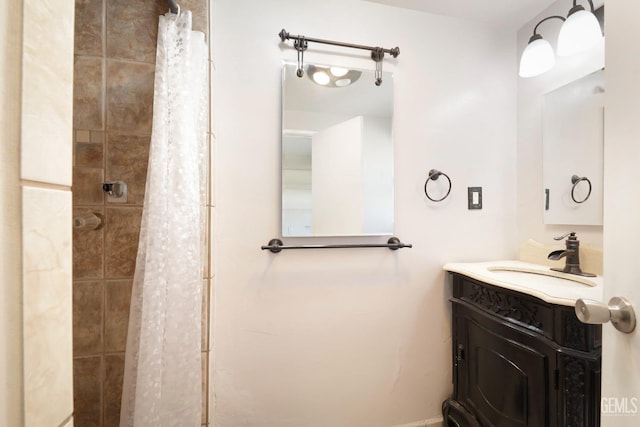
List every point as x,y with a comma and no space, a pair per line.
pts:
620,403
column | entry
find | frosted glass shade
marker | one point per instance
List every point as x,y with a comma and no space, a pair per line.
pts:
537,58
578,33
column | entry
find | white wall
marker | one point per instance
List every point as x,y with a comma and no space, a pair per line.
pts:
360,336
529,144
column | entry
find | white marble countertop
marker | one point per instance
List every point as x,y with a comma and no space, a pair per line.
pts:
532,279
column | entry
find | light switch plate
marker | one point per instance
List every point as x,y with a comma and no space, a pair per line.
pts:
474,195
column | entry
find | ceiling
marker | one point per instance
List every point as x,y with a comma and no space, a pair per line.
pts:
502,13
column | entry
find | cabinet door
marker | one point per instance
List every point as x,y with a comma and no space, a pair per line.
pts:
506,379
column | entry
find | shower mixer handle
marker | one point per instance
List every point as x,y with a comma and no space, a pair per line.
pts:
112,188
116,191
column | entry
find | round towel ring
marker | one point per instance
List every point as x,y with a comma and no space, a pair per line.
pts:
434,175
575,180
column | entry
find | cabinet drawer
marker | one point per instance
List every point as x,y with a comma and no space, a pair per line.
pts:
557,323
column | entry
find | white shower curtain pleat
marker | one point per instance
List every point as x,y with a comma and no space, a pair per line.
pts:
163,367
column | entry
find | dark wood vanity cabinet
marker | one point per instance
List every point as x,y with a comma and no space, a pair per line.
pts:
520,361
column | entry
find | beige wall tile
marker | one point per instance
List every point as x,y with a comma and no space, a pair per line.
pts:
47,306
122,230
88,246
205,315
82,135
132,29
89,155
88,93
88,308
129,96
47,91
205,386
87,385
87,186
114,374
88,27
118,300
97,137
200,14
10,206
127,159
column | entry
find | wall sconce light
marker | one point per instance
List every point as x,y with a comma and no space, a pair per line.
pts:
301,43
579,32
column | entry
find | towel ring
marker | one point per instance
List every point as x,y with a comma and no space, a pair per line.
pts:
575,180
434,175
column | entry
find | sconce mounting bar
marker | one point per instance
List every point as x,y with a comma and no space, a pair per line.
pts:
284,35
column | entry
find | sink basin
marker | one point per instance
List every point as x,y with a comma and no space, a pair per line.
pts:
532,279
528,274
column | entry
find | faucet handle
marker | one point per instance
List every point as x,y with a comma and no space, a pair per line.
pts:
572,235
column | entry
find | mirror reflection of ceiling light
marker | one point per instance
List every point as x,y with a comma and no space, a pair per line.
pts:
338,72
332,76
321,78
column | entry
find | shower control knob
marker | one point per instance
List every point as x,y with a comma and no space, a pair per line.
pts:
116,191
107,187
619,311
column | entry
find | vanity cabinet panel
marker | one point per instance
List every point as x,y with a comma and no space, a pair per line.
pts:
519,361
506,379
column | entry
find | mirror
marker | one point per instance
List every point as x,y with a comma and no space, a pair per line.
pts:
337,152
572,152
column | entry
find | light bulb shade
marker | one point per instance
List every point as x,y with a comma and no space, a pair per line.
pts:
578,33
537,57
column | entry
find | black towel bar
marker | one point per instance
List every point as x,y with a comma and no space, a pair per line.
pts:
276,245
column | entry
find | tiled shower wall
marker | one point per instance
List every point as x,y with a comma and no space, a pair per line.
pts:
115,45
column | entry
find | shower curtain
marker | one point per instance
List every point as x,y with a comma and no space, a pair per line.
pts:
162,375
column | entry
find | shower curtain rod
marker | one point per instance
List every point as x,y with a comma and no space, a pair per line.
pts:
374,50
173,6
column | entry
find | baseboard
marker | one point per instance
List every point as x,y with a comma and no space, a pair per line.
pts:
433,422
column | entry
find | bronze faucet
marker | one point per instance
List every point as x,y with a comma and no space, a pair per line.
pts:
572,253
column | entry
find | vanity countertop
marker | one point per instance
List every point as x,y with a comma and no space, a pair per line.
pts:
532,279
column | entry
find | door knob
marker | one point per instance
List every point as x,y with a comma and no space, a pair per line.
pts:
619,311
